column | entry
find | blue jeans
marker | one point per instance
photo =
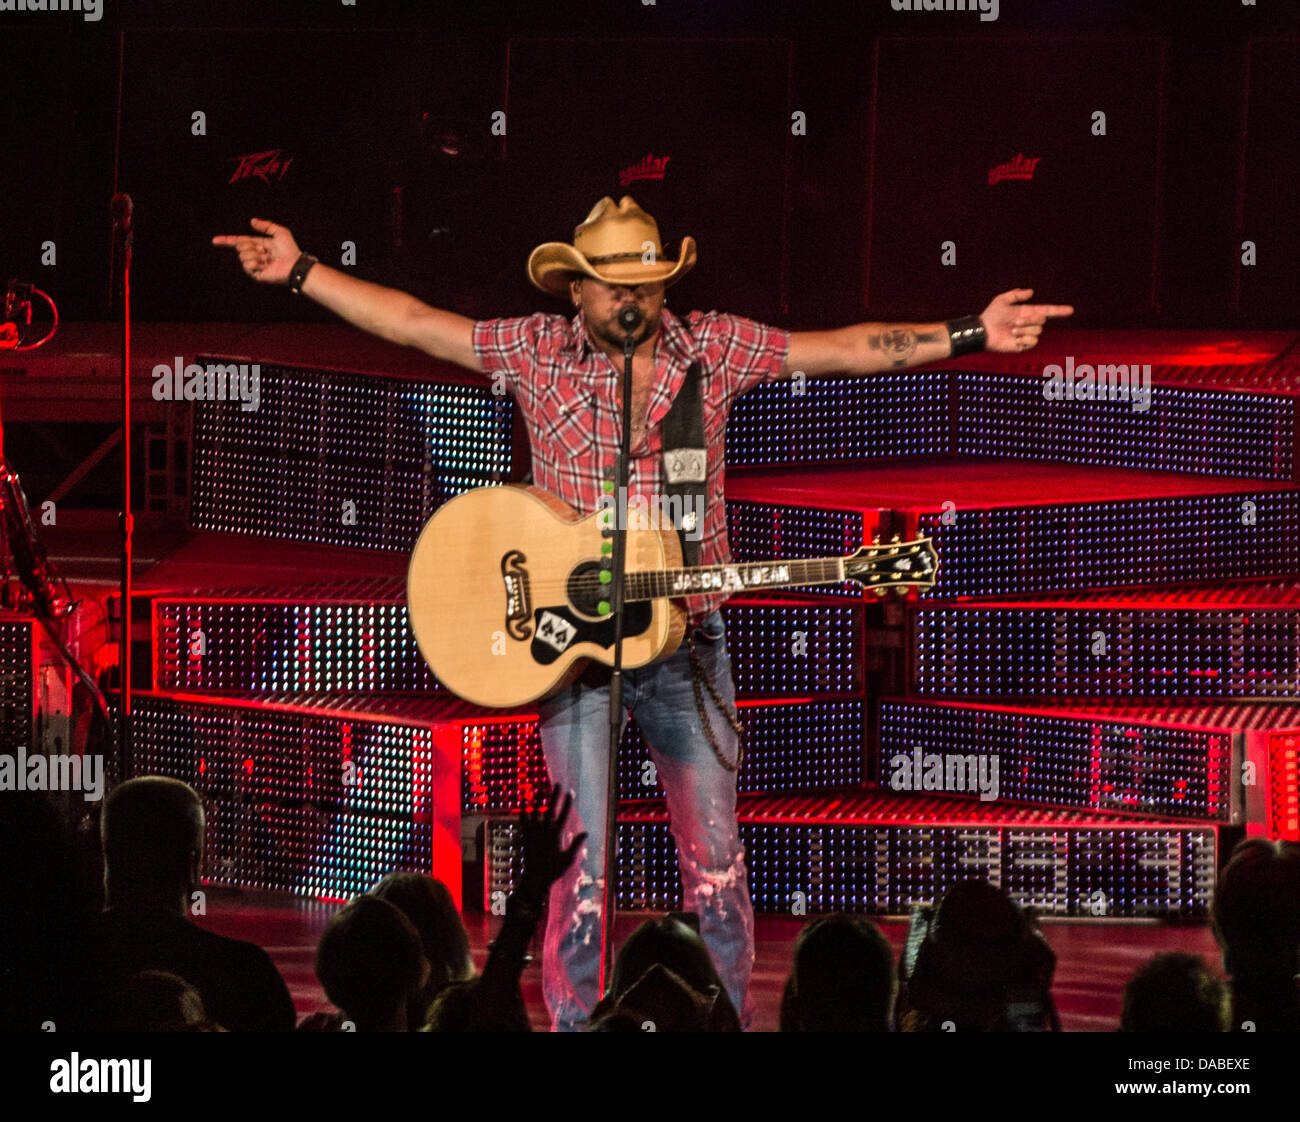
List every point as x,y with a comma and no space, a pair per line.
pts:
701,798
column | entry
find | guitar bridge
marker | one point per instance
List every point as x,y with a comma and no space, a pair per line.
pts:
518,600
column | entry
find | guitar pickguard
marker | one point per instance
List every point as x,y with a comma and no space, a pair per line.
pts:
556,629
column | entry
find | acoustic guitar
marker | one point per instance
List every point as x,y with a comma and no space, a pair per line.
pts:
509,600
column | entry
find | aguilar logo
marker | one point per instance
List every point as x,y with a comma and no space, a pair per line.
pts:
648,168
263,165
1022,167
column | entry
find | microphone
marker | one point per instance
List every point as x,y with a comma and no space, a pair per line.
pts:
629,319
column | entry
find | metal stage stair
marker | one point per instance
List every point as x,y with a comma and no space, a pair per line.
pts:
1116,625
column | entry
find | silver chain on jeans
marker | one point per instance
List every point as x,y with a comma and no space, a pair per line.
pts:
698,675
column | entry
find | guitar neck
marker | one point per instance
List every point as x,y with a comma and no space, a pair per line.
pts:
743,577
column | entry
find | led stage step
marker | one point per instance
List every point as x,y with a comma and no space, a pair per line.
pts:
1281,801
789,746
319,801
355,637
874,854
328,789
1235,641
362,460
1191,429
1213,763
1010,528
341,459
1218,425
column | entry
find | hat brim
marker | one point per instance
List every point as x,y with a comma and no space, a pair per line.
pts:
551,265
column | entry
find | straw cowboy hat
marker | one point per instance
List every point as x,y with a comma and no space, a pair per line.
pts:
611,245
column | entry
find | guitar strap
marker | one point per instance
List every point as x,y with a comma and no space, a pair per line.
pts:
686,464
685,454
686,473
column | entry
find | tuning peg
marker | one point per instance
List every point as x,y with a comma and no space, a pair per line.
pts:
896,539
875,539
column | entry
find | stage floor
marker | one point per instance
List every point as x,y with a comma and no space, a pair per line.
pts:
1094,958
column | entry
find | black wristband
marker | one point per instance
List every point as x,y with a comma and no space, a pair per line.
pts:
298,274
966,335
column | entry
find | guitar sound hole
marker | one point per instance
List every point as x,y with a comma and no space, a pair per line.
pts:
585,589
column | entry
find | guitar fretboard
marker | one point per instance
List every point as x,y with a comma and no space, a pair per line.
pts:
733,578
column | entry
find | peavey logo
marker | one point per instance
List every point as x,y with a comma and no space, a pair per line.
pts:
1022,167
648,168
262,165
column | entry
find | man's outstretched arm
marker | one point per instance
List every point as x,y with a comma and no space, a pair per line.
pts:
269,256
869,348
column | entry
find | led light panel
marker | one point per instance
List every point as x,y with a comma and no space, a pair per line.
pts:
1197,431
238,645
299,802
341,459
18,689
1100,651
1080,869
1078,760
794,648
1017,550
779,648
820,420
1284,786
1222,429
796,746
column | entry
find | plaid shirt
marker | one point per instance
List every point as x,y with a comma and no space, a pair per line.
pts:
567,392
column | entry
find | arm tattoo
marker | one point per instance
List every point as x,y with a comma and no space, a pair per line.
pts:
900,343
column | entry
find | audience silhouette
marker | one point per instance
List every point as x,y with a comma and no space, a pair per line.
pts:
842,980
1256,920
428,904
981,966
157,1001
398,958
47,907
1175,992
152,833
665,979
372,965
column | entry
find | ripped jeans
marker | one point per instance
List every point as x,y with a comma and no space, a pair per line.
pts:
701,798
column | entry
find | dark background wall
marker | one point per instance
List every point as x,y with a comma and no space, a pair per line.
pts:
385,112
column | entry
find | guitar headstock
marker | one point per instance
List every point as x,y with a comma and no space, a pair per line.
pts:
900,565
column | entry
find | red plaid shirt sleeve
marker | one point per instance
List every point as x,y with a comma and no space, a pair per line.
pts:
742,352
510,347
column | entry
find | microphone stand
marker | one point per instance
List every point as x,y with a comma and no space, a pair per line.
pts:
629,319
122,238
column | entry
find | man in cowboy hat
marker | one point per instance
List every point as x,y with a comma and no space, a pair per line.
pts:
565,375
